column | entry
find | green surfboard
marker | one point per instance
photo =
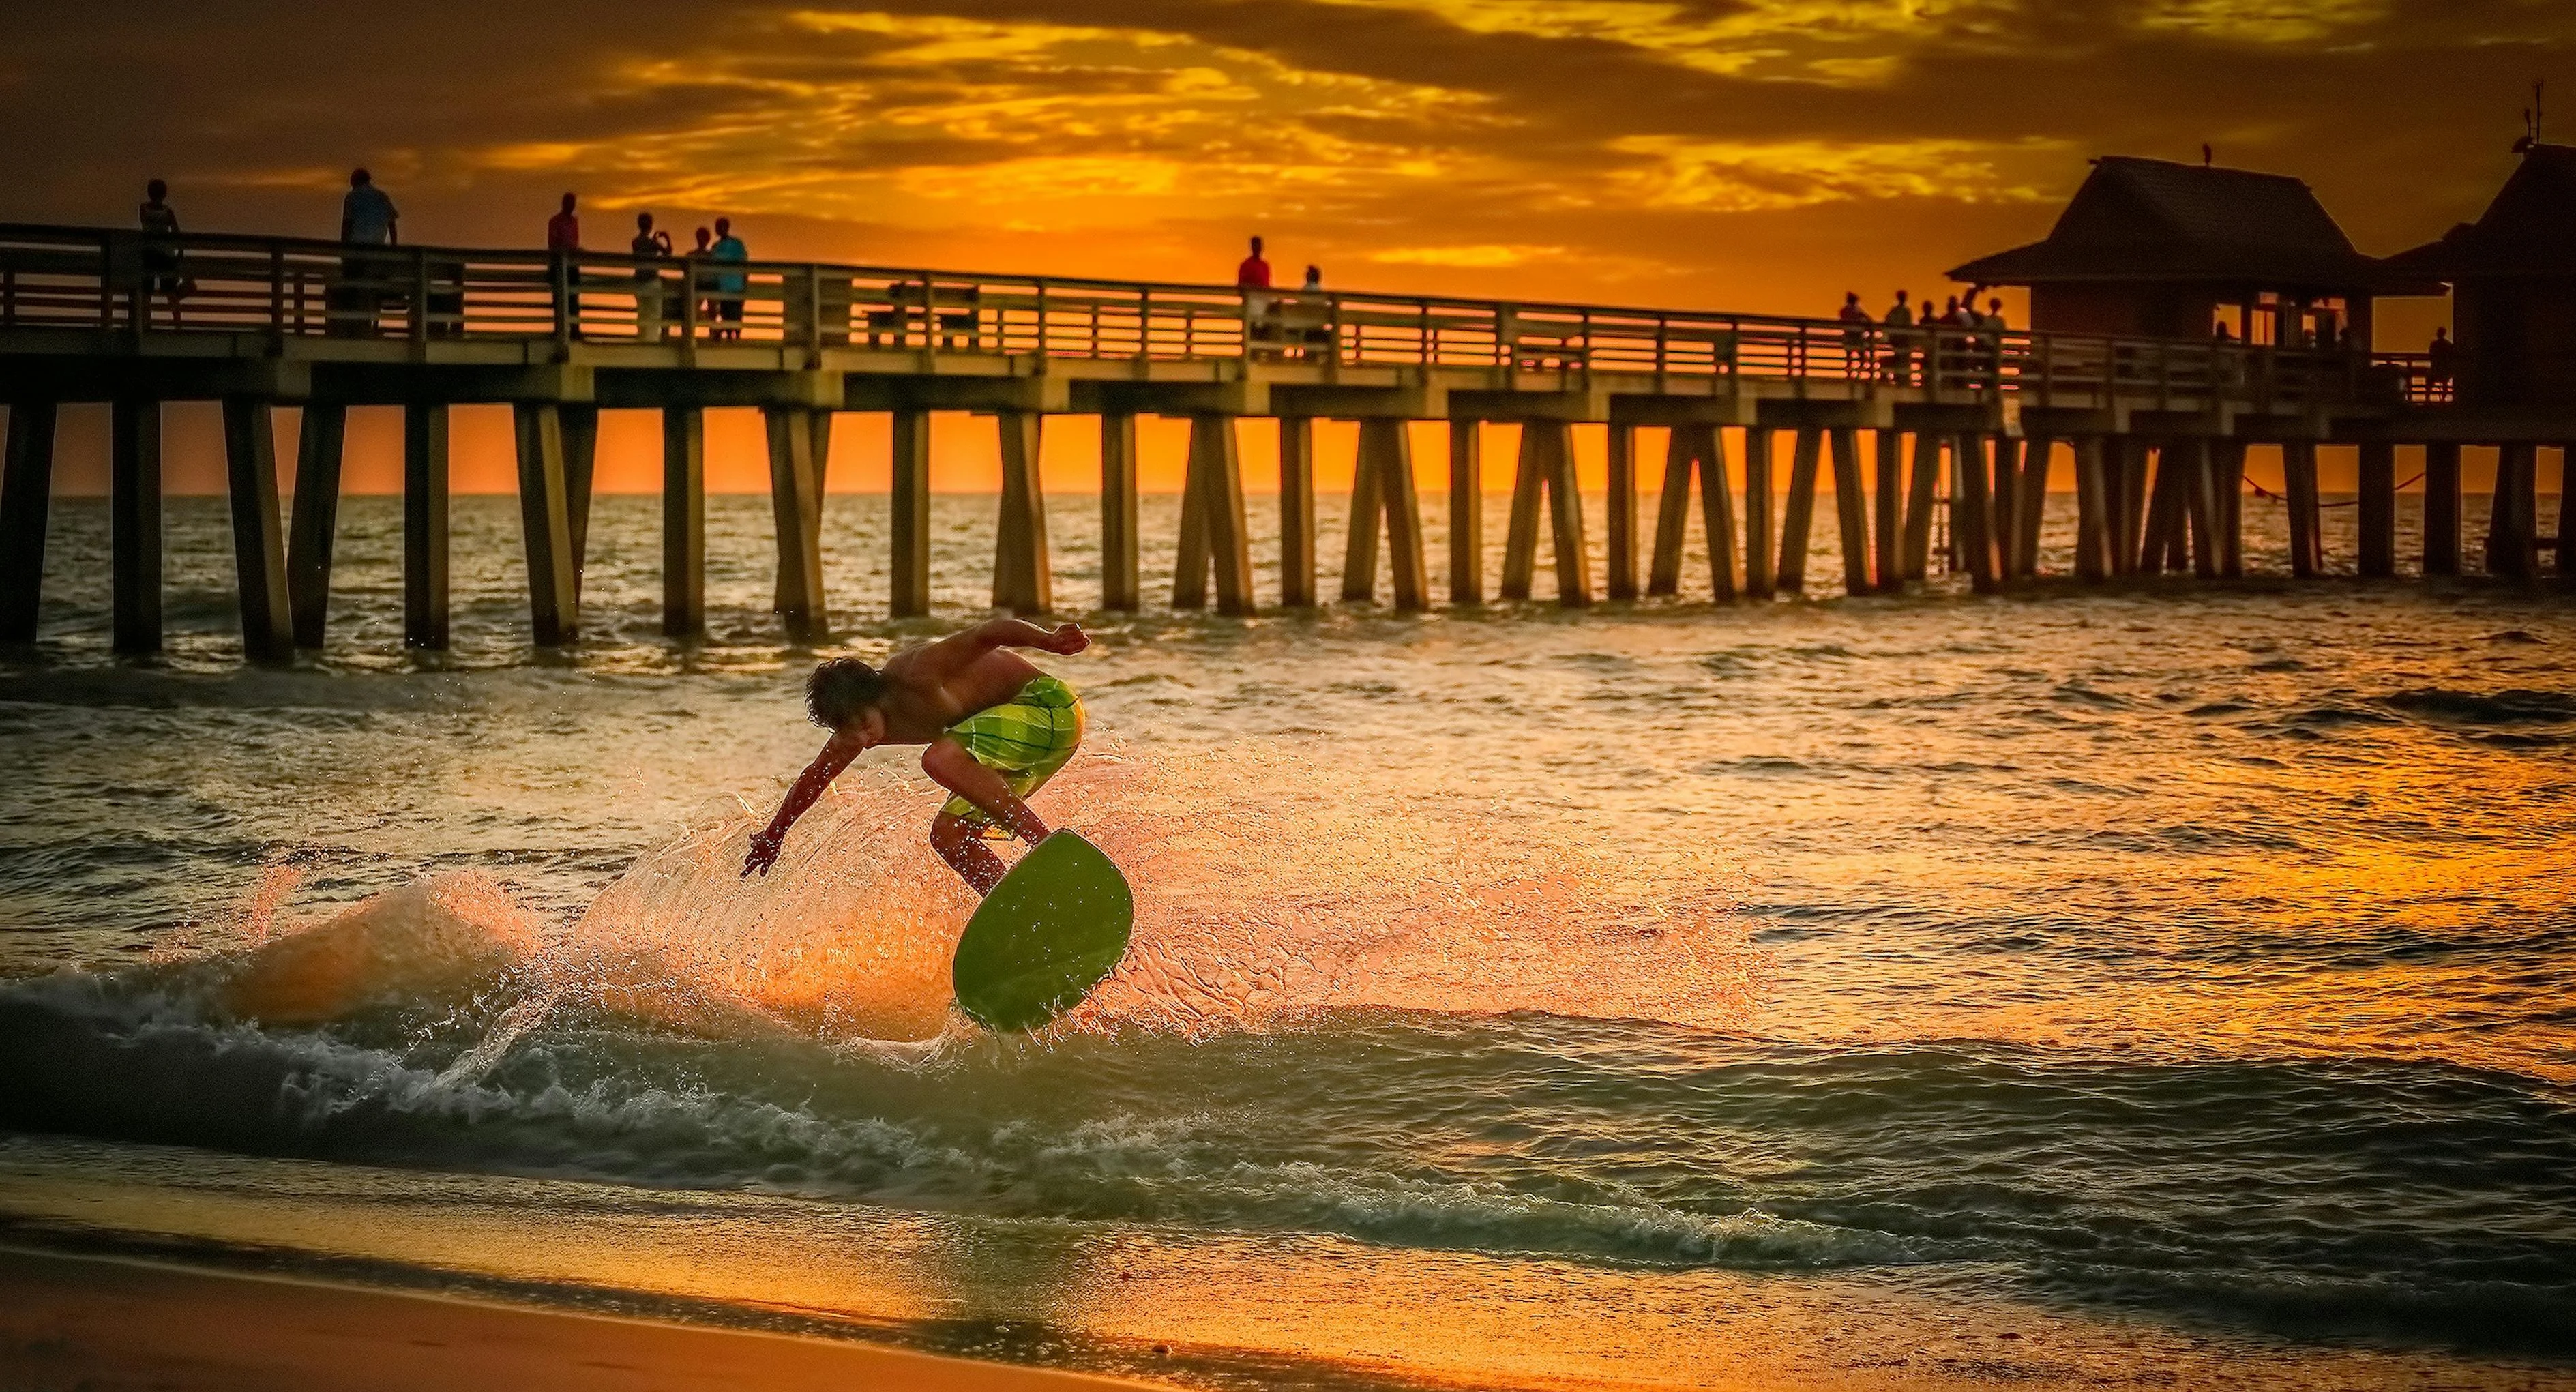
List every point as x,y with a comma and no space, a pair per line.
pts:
1055,927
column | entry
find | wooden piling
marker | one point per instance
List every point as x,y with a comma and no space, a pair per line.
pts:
2378,550
2307,528
580,425
1798,519
1547,466
2442,510
1851,511
1466,513
2513,523
1296,512
1382,486
134,522
1888,516
2166,511
259,550
1023,569
2200,504
1761,576
425,525
792,499
26,500
2131,496
2002,491
2094,541
1621,527
309,535
909,501
1972,515
684,521
2030,505
1700,449
1121,573
2563,544
1920,498
2227,476
545,524
1213,530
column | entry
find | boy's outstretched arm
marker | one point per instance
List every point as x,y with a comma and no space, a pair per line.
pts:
818,775
1066,639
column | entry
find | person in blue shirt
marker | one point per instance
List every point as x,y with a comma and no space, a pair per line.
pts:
730,285
367,219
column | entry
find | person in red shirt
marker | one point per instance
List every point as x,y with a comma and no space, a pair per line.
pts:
1254,273
563,238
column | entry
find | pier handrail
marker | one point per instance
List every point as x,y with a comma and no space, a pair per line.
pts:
128,284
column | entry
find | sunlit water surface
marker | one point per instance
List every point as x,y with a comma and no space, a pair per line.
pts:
2071,988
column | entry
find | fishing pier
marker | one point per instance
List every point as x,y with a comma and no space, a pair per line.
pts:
1908,421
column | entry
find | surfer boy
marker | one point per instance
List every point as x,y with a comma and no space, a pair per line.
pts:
996,728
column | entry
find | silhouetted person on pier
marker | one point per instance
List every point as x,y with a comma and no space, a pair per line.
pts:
730,285
2440,364
1314,279
1254,272
367,219
1855,334
563,242
161,261
648,246
1307,321
1900,340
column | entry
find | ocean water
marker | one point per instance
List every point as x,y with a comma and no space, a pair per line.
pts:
2170,984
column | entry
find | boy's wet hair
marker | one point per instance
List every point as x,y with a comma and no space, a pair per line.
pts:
839,689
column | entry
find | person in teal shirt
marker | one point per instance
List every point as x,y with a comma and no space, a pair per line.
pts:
730,285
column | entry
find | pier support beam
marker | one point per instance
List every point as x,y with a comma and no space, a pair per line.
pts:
2030,505
2442,510
2200,503
2094,541
316,523
1622,501
581,463
909,505
26,500
1382,486
1121,580
2129,494
1851,511
684,522
1023,569
795,497
1297,512
1700,449
1798,519
134,522
1887,516
1547,466
425,525
259,551
2167,512
1972,515
1213,530
1466,512
1761,560
2563,552
2227,475
2378,510
2307,528
1923,489
2513,525
554,606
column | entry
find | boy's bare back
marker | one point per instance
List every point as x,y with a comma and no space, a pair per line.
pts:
934,686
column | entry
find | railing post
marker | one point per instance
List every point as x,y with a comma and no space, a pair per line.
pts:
419,297
277,290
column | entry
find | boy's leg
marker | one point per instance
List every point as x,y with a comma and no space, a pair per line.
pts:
961,843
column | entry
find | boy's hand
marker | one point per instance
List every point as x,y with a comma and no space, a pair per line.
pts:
764,853
1068,639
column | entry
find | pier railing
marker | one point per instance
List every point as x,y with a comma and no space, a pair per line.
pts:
127,283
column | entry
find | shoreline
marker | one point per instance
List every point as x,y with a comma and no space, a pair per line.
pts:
105,1323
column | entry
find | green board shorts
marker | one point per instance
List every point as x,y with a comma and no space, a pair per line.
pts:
1025,739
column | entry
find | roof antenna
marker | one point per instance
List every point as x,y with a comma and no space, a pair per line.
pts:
2205,155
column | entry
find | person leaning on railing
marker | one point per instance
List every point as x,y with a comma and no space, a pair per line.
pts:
730,286
161,258
367,218
1900,340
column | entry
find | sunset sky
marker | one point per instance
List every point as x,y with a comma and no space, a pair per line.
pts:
1761,155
